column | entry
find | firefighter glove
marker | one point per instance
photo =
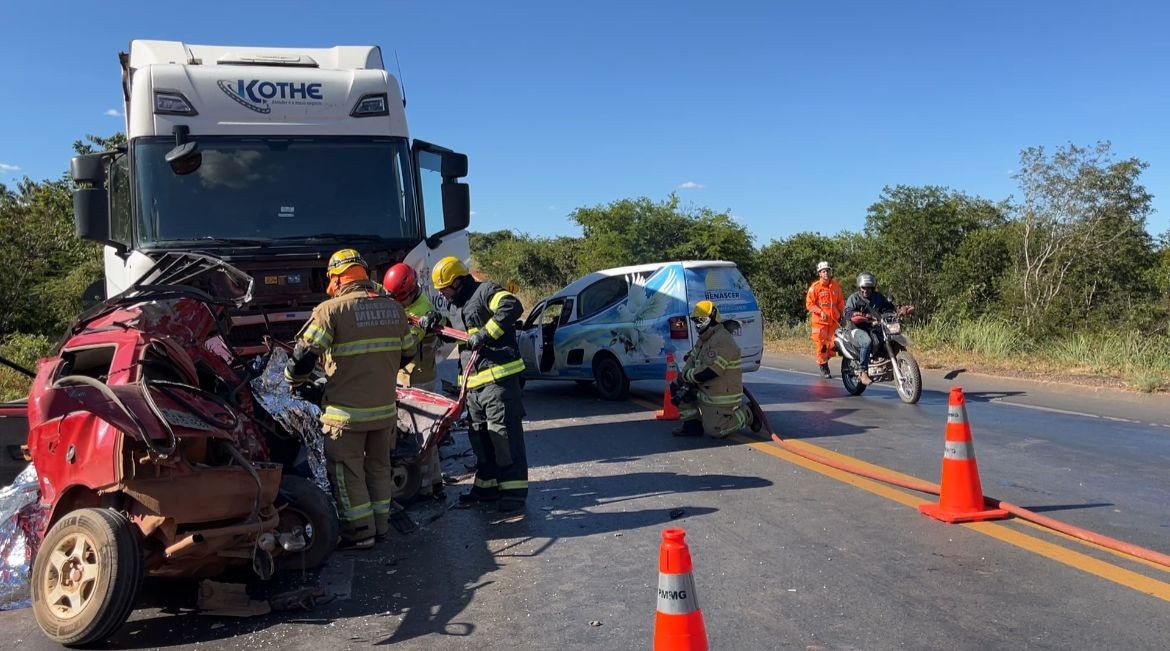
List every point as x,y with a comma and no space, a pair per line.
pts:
477,340
431,321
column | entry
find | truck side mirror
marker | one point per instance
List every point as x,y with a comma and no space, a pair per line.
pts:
88,169
454,165
456,206
91,201
91,214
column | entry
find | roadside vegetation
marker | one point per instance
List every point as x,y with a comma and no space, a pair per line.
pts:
1063,280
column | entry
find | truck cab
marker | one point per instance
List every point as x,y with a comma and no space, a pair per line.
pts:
271,159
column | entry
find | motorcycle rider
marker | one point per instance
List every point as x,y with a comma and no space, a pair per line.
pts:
362,337
825,304
709,389
863,310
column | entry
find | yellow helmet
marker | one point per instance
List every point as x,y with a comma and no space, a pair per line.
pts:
446,271
342,260
705,310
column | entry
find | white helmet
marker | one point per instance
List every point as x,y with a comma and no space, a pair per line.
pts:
824,264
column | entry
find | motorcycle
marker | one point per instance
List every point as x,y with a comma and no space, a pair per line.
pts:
890,359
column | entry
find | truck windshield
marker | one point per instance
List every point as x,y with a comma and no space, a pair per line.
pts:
253,190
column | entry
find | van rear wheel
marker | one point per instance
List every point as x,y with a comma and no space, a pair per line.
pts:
612,382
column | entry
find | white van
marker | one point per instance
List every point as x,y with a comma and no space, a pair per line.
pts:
617,325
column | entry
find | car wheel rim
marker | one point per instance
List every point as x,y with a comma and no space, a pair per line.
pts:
72,575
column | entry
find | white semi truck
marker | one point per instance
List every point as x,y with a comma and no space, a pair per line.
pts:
270,158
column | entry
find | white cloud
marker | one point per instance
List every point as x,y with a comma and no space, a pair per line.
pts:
5,168
114,113
551,208
690,185
473,213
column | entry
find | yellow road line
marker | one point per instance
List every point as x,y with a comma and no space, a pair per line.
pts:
1052,551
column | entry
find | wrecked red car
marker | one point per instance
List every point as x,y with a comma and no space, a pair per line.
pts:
154,457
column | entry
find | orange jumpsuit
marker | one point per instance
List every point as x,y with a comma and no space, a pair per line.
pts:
824,297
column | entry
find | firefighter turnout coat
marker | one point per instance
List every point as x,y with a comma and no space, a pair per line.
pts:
720,399
361,335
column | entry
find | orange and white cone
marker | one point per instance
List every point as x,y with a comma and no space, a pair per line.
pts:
678,623
961,493
668,411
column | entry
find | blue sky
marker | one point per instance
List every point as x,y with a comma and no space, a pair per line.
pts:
791,116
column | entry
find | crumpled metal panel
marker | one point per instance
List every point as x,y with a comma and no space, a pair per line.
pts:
299,417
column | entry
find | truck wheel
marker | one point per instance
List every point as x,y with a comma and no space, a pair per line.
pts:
407,482
86,576
303,504
611,379
850,376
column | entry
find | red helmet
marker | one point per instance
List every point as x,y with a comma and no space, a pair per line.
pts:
401,281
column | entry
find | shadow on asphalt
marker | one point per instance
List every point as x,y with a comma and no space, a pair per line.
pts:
420,585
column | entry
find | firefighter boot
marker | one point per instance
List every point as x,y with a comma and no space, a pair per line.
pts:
690,427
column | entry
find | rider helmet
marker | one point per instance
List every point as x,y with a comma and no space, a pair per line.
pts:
865,279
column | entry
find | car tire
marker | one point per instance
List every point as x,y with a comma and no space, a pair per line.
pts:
86,576
612,382
305,505
407,478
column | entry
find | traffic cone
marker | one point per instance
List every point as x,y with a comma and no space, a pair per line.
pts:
678,623
961,495
668,411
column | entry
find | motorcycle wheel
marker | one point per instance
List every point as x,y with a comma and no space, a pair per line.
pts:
850,371
910,388
86,576
302,504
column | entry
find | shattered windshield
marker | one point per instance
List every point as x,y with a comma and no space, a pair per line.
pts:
253,190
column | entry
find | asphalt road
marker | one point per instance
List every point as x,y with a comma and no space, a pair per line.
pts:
788,554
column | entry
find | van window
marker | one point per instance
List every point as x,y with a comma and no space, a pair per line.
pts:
551,314
602,294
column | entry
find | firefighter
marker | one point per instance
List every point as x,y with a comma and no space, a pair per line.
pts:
825,304
489,313
401,283
361,337
709,389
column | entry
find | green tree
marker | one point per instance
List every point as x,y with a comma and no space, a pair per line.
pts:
638,231
1084,251
784,269
915,230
